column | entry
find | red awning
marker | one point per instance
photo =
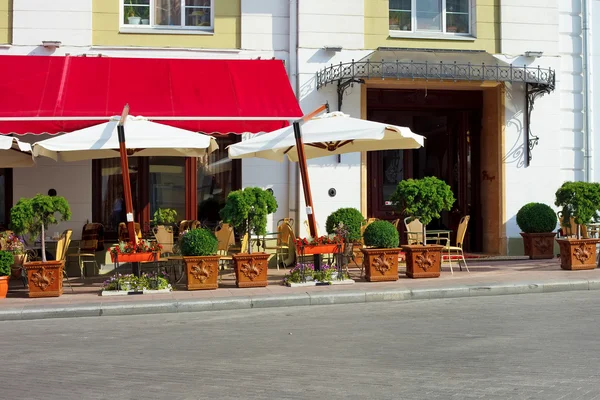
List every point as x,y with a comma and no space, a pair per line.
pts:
47,94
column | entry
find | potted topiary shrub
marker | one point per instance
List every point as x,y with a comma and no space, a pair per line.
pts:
198,248
580,201
425,199
34,216
537,221
246,210
380,254
6,260
352,220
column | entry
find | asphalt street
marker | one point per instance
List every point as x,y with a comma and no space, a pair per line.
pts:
542,346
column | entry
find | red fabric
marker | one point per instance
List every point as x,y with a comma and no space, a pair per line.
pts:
47,86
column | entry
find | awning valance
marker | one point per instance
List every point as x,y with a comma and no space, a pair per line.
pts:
51,94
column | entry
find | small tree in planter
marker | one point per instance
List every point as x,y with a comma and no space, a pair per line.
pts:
246,210
580,201
424,199
198,247
33,217
6,260
352,220
537,222
381,254
164,216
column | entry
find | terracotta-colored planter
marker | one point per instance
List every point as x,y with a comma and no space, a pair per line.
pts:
15,269
423,261
3,286
539,246
251,269
202,272
321,249
577,254
45,278
136,257
380,264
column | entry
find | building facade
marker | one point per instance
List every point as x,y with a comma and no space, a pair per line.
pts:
496,86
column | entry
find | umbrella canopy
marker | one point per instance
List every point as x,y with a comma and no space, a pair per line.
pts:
14,153
325,135
144,138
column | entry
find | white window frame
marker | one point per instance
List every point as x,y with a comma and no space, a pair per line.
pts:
414,32
171,29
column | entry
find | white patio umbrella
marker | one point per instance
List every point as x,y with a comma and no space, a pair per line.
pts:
328,134
144,138
325,135
14,153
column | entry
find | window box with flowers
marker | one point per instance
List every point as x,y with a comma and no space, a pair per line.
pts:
120,285
143,251
331,244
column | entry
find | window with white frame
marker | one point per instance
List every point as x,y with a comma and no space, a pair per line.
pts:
174,14
430,16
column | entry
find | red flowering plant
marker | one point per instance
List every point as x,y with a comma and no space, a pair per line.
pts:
143,246
321,240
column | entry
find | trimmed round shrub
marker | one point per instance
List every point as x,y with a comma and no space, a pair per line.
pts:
6,260
382,235
198,243
350,217
536,218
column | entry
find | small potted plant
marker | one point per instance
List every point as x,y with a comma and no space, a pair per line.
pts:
580,201
425,199
6,260
380,254
132,17
15,245
33,216
198,248
537,222
246,210
163,221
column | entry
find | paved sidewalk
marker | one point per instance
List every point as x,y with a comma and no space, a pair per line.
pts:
486,278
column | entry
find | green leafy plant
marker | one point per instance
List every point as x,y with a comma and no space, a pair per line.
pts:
34,215
247,210
536,218
350,217
381,235
164,216
423,198
579,200
6,260
198,243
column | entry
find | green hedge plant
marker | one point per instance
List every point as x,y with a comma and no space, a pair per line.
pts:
6,260
580,200
423,198
352,220
198,243
34,215
536,218
246,210
164,216
381,235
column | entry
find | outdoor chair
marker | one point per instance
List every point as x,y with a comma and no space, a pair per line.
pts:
124,233
460,237
62,246
414,230
288,220
285,247
226,238
94,231
86,254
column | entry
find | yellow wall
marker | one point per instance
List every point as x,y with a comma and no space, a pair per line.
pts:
6,21
487,30
105,25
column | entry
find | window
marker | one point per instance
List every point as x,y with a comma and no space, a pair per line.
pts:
111,191
167,184
430,16
168,14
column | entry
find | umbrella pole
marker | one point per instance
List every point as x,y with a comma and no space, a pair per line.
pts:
312,226
125,173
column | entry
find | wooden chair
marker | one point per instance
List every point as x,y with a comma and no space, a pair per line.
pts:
86,254
94,231
61,251
414,230
460,237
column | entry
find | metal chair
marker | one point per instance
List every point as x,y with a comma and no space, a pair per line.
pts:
62,247
414,230
226,238
285,251
86,254
460,237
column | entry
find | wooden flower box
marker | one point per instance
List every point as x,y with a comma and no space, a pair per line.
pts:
135,257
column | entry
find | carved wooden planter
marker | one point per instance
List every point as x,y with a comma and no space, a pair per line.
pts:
380,264
3,286
202,272
539,246
423,261
251,269
577,254
45,278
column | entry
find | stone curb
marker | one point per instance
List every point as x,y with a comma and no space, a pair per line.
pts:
98,308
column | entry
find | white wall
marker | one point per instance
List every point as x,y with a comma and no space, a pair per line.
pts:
265,25
67,21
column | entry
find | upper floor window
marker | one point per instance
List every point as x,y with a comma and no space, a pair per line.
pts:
171,14
430,16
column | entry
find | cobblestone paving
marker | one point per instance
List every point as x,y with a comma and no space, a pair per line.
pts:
501,347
